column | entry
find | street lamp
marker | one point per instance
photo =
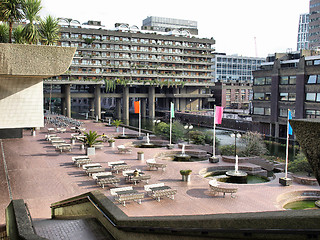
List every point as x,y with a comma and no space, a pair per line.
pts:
235,135
156,121
188,127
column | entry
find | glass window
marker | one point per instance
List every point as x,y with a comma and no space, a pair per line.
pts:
267,111
258,96
259,81
316,62
312,79
318,97
283,97
258,111
284,80
283,112
292,80
268,80
310,97
267,96
292,97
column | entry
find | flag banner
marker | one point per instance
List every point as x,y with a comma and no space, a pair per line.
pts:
218,115
136,106
172,110
289,127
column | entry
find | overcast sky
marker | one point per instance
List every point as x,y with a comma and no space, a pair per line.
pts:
234,24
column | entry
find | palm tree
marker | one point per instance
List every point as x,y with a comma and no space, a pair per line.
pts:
18,35
91,138
10,12
49,30
31,9
4,33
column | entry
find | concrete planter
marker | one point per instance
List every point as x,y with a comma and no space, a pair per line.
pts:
214,159
140,156
112,144
285,181
186,178
91,151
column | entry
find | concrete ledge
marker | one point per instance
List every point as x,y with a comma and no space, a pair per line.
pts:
34,60
261,225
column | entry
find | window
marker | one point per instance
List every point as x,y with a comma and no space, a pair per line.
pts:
283,97
267,96
258,111
258,96
310,97
268,80
292,97
312,79
283,112
318,97
292,79
267,111
259,81
284,80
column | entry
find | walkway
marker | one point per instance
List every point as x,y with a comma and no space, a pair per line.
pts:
41,176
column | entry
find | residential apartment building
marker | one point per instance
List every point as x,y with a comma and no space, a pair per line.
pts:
286,81
303,32
126,63
314,24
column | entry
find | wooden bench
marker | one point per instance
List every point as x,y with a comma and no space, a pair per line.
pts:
81,162
123,149
139,178
147,187
64,147
94,170
151,163
113,191
216,188
74,159
91,165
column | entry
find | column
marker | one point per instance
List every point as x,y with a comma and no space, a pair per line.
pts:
151,102
91,100
118,108
143,109
67,97
125,102
97,100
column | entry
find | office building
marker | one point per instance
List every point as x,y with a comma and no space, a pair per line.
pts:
303,32
286,81
170,25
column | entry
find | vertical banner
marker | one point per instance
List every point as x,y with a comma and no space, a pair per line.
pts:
289,126
172,110
218,115
136,106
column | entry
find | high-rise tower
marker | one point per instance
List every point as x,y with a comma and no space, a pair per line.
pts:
303,32
314,24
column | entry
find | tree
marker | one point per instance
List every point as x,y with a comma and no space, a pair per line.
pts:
18,35
4,33
10,12
91,138
163,129
254,145
49,30
31,10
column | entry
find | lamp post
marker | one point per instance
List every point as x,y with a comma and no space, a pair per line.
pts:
235,135
188,127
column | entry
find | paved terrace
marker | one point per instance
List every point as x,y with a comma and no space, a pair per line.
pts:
41,176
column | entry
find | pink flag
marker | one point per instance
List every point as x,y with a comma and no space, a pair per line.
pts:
218,115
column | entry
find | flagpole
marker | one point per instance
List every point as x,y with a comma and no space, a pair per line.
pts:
287,147
214,133
139,119
170,123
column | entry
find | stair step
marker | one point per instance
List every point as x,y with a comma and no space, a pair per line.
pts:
79,229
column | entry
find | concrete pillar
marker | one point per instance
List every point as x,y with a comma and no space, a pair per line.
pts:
151,102
97,101
143,109
176,101
67,97
118,108
125,104
91,100
276,133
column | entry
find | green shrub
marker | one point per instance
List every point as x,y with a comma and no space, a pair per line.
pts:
197,137
254,144
163,129
185,172
300,164
227,150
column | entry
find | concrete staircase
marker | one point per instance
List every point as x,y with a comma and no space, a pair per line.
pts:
79,229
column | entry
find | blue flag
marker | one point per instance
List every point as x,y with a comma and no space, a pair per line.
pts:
289,127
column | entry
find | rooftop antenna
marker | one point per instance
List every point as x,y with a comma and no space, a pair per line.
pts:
255,46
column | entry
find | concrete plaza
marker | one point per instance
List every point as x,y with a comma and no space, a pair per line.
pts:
40,175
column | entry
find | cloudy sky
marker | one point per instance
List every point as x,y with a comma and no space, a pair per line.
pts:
234,24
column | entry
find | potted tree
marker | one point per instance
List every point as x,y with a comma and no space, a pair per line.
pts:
185,175
117,123
111,142
89,140
141,156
